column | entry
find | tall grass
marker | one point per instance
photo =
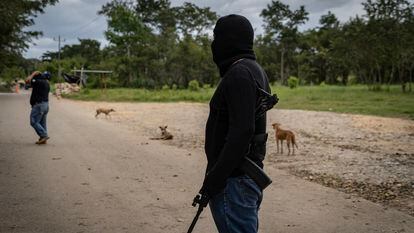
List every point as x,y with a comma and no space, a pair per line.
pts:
351,99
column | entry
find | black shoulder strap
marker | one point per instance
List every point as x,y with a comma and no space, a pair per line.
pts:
266,100
258,86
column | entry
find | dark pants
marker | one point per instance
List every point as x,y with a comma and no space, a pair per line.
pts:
38,118
235,209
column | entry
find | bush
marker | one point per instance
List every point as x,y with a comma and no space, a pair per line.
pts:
376,87
322,84
9,74
174,86
352,80
86,91
206,86
193,85
293,82
165,87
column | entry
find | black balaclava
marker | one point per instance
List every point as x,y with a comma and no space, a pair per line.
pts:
233,40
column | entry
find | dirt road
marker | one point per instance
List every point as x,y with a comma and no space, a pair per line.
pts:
98,176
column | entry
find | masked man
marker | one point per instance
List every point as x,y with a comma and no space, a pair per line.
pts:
231,127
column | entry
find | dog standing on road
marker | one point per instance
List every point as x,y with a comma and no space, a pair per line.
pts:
287,135
106,111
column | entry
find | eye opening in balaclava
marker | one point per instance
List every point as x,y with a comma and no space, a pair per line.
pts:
233,40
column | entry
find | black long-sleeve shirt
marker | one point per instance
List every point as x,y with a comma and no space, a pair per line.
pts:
231,123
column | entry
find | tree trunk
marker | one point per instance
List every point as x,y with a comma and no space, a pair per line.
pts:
322,74
391,77
371,81
345,74
379,74
282,60
401,77
129,67
410,79
360,75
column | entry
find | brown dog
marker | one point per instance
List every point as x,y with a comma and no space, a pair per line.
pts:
165,135
106,111
287,135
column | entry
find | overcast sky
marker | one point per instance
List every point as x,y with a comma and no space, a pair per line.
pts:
73,19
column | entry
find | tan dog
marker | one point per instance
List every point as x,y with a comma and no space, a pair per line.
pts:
106,111
165,135
287,135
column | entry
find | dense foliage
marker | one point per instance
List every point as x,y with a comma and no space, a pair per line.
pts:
155,45
375,49
15,16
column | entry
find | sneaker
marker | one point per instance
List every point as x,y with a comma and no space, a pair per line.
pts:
42,140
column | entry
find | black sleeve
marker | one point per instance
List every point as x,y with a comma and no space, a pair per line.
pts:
240,97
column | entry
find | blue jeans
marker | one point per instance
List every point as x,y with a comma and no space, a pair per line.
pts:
38,118
235,209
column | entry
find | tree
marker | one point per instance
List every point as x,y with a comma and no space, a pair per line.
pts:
281,24
388,22
330,66
192,57
156,14
193,19
145,38
15,16
87,48
127,31
9,74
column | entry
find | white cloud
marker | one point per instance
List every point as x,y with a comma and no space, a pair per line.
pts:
349,10
71,19
44,42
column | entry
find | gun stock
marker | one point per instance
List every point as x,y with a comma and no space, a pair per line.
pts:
256,173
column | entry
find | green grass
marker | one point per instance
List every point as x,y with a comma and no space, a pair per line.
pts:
352,99
143,95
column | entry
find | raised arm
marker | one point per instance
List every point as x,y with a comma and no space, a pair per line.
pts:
30,77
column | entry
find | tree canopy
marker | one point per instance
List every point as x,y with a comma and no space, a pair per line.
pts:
15,16
153,44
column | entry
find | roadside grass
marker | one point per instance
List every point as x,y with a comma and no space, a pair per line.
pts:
351,99
143,95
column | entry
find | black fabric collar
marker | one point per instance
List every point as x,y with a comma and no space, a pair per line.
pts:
226,64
